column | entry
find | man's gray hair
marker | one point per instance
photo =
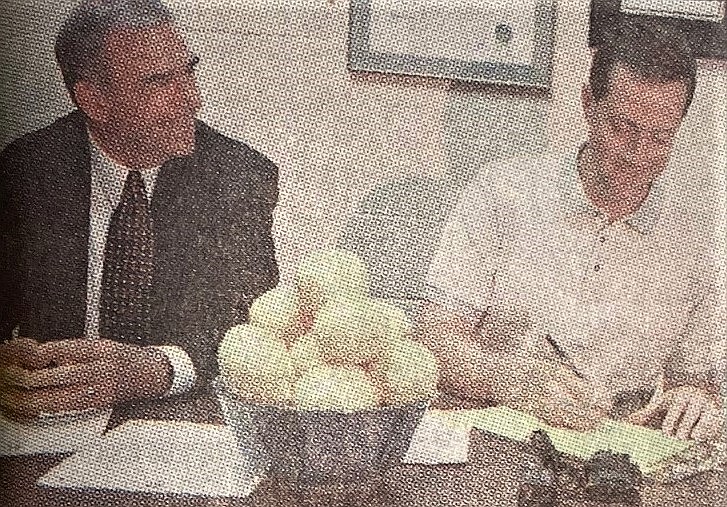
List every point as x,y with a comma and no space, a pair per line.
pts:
80,41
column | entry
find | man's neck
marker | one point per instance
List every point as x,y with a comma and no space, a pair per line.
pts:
117,150
616,199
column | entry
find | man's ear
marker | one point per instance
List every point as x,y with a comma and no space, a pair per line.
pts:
91,101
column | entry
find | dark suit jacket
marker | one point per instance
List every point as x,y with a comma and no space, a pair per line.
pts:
212,216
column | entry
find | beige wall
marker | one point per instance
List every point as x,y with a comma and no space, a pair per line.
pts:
274,74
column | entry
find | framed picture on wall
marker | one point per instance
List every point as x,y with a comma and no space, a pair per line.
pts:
703,21
495,41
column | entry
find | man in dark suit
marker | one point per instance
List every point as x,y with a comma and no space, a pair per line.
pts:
132,235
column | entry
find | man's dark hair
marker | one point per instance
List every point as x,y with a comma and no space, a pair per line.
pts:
80,41
649,47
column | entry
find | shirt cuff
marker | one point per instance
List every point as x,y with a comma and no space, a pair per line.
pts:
184,376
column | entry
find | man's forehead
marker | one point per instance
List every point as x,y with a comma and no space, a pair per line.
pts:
145,50
639,96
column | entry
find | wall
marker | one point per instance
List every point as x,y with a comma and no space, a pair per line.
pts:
273,73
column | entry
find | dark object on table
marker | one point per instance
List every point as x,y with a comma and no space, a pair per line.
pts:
612,476
551,477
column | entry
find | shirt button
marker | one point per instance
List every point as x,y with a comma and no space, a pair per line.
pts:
603,239
597,267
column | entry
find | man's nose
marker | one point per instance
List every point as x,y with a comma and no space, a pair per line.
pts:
642,149
189,95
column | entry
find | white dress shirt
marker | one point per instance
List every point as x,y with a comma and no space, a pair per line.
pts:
625,300
107,184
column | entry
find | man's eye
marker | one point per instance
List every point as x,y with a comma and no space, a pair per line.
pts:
158,79
624,125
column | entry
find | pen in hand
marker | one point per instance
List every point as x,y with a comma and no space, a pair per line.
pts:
563,356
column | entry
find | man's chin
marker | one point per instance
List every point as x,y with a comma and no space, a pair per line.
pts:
164,154
181,146
185,151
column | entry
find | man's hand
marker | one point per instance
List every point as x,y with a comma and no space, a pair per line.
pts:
21,352
469,368
691,413
552,392
85,374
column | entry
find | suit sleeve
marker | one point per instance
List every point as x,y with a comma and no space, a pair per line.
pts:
261,267
248,266
8,248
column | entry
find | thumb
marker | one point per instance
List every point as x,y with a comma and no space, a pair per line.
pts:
22,352
69,351
601,398
656,404
643,416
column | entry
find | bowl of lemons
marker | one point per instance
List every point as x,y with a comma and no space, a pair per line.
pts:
324,383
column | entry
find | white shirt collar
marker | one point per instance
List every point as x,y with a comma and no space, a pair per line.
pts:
573,196
109,177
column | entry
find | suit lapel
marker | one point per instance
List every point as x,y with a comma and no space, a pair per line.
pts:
178,195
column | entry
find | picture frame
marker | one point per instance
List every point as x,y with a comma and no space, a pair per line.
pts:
707,38
493,41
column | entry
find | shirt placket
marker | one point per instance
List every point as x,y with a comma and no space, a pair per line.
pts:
596,265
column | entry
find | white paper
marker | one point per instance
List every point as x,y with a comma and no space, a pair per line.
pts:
159,457
706,10
52,434
455,29
437,442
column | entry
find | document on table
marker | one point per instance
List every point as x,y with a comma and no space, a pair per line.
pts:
61,433
436,442
649,449
160,457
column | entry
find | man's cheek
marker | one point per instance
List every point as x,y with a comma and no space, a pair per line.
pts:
175,139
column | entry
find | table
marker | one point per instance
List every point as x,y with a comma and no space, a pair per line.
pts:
491,478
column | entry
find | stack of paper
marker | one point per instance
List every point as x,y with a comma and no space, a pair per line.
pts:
648,448
60,433
436,442
159,457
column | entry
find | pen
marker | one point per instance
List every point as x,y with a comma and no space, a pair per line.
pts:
563,356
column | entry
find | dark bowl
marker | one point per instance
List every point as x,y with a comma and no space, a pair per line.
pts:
312,448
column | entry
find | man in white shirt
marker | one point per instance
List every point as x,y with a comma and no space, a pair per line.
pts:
565,281
78,333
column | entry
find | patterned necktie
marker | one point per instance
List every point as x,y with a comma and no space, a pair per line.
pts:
128,267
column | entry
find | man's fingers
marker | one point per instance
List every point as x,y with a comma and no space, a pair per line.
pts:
21,352
570,412
689,419
14,405
61,376
644,416
677,407
587,404
641,417
75,397
14,376
72,351
708,426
